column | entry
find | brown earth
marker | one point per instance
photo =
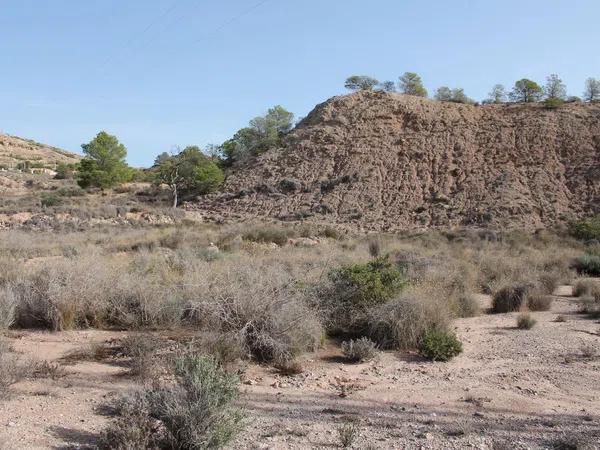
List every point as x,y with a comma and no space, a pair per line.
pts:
381,161
511,388
14,150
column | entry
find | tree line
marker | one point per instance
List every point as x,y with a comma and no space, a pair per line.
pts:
553,93
192,171
188,172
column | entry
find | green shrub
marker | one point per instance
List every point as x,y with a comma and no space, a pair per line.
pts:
588,264
368,284
525,321
440,345
588,229
510,298
553,103
357,290
359,350
49,200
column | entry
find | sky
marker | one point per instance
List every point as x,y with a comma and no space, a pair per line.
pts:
165,73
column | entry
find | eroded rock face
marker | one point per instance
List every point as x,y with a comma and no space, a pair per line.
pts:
386,161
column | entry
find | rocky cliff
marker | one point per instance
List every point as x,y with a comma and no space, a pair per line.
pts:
381,161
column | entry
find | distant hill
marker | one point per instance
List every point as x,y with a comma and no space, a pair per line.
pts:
15,150
383,161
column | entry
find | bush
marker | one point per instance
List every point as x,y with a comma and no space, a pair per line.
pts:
539,302
553,103
440,345
357,289
525,321
401,323
268,235
368,284
589,305
588,264
11,370
359,350
589,288
348,434
49,200
587,230
134,429
510,298
141,349
197,412
8,306
194,413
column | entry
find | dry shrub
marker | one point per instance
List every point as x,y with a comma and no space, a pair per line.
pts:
289,367
11,369
510,298
402,322
260,303
141,350
525,321
359,350
587,288
8,307
539,302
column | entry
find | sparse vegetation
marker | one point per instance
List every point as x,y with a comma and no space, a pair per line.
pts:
347,434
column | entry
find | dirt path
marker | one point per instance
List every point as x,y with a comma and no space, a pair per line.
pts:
526,388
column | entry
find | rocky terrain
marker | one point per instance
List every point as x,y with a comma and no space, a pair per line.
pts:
382,161
14,150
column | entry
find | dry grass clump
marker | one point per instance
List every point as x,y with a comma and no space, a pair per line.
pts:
510,298
525,321
401,322
11,369
8,307
589,288
141,350
539,302
359,350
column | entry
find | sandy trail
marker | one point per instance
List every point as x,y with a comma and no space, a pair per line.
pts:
525,387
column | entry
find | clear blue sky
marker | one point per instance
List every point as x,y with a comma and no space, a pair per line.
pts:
161,73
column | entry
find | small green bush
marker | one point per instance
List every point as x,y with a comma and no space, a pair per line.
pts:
525,321
588,264
440,345
359,350
49,200
553,103
587,230
368,284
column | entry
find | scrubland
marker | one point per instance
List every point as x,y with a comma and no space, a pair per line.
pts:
194,308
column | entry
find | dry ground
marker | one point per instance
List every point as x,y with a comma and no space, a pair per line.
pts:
520,388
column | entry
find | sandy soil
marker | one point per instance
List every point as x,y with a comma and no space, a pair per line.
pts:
525,389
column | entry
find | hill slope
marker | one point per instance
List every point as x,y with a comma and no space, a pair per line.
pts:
14,150
387,161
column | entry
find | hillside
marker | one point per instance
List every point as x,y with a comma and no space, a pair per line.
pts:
380,161
15,150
